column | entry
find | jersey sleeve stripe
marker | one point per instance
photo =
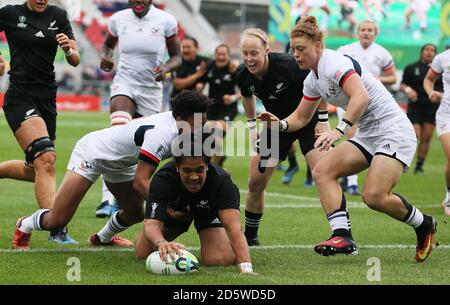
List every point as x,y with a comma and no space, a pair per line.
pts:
148,157
434,71
110,33
311,99
345,76
172,37
388,66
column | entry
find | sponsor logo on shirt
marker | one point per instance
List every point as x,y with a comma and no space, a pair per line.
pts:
39,34
22,23
156,30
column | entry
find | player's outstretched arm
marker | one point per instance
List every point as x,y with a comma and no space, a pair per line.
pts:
232,223
69,46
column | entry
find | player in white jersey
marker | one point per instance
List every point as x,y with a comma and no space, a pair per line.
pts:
127,156
378,61
384,143
143,33
441,66
420,8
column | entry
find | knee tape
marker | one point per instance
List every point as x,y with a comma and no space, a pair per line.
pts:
37,148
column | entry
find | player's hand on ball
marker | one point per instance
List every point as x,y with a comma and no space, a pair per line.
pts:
170,248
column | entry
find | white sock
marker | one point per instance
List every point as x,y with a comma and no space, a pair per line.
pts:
352,180
415,219
32,222
338,220
112,228
447,197
106,194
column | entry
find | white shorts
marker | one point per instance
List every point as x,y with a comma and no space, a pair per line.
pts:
397,141
442,121
316,3
83,163
340,113
148,100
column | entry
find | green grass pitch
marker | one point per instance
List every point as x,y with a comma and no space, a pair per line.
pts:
293,222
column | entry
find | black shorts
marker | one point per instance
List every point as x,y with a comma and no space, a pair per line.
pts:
200,223
305,136
221,112
21,108
421,115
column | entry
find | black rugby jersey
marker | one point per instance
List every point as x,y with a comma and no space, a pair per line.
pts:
413,76
281,89
166,188
221,82
186,69
32,41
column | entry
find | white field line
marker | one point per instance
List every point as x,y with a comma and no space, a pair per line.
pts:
267,247
315,200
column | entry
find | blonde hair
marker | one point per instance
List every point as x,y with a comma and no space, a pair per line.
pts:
258,33
307,26
375,25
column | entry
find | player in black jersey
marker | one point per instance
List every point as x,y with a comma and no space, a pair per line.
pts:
221,77
421,111
277,80
193,190
192,68
34,31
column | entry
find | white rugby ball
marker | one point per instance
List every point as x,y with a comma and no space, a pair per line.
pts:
184,264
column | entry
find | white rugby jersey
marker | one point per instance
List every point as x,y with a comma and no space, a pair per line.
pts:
376,58
441,65
148,138
142,43
333,69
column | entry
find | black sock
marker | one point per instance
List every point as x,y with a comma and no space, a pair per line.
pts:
292,160
252,221
419,163
309,174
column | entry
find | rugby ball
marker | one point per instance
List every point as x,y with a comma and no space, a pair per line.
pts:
184,264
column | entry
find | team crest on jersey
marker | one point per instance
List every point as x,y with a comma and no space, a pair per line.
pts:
332,90
227,78
52,26
85,165
22,23
156,30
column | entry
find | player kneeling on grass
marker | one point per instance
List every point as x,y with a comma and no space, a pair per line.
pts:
193,190
126,156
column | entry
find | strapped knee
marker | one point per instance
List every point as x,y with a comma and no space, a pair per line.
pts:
37,148
120,118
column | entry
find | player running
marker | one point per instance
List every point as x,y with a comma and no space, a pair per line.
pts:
384,142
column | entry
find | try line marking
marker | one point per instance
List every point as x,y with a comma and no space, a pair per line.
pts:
266,247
